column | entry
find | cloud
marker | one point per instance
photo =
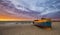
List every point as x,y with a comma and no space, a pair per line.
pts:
31,4
49,11
43,7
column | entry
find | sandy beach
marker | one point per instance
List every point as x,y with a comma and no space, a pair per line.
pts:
29,29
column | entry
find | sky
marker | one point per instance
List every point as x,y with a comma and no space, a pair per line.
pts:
29,9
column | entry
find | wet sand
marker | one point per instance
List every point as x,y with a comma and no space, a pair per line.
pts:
29,29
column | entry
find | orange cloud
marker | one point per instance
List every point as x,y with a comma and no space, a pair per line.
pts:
10,18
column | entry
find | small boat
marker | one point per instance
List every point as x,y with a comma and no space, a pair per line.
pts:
44,23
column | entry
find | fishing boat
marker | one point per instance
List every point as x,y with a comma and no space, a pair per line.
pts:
44,23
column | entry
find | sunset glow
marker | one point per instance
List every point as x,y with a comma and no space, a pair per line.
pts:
18,10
